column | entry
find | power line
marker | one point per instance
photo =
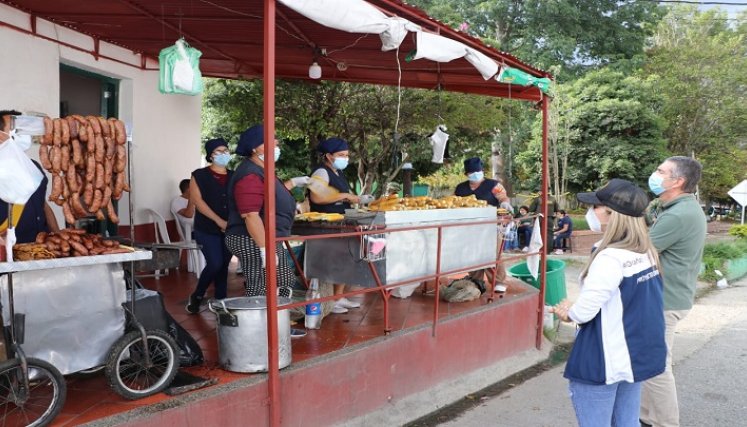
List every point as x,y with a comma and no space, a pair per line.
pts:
704,3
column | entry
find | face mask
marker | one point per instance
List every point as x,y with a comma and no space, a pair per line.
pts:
277,155
222,159
476,176
593,221
341,162
656,184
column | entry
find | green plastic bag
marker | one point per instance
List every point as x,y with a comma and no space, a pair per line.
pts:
179,67
518,77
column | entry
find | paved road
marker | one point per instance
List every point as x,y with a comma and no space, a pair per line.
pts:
710,367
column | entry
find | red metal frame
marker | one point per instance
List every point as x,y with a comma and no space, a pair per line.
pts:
545,219
269,202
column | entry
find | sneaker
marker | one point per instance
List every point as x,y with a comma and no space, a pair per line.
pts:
558,252
344,302
297,333
193,306
338,309
500,288
525,249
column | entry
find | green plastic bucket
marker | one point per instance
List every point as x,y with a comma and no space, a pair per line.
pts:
555,291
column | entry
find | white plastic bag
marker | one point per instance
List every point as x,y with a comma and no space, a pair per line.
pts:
183,76
19,177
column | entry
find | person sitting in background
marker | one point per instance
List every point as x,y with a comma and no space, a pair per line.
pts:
183,208
524,230
36,215
508,227
562,231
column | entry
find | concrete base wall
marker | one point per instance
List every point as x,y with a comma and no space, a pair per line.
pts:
385,381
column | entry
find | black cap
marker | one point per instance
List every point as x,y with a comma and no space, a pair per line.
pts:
620,195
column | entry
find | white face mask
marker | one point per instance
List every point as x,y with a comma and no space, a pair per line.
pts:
277,155
592,220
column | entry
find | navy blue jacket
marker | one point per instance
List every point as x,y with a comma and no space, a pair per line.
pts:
216,197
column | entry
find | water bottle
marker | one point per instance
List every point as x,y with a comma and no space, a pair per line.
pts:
313,318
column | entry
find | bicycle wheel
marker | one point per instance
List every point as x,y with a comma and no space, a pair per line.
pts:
127,372
37,405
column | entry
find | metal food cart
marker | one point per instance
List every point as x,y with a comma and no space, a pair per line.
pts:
73,306
407,254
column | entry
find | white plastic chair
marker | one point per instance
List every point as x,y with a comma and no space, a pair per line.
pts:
195,258
163,239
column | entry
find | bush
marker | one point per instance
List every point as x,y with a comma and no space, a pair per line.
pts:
738,230
715,256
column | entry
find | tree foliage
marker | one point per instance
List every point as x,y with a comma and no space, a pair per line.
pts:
574,34
365,115
700,62
609,130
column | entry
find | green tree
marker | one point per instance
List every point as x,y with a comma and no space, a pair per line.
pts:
575,34
699,60
365,115
610,128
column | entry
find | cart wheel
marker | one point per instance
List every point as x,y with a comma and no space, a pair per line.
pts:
127,371
37,405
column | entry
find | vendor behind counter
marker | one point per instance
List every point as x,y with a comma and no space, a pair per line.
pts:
36,215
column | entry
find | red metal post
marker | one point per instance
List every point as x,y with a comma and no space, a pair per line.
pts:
273,386
438,280
385,294
544,225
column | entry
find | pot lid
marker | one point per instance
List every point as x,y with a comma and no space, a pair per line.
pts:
248,303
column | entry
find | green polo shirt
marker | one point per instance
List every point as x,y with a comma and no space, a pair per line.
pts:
679,236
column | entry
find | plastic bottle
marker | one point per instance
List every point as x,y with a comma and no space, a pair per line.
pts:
313,318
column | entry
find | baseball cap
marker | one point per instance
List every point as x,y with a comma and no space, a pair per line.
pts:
620,195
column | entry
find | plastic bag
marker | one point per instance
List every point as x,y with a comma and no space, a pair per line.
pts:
19,178
179,67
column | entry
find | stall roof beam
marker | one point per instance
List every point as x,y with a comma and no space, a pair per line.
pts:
230,35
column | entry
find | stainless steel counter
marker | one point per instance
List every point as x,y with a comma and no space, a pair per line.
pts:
409,254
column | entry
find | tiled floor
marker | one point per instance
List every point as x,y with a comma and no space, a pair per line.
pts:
89,397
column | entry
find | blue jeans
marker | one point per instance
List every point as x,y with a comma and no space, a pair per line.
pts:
217,258
615,405
526,232
557,241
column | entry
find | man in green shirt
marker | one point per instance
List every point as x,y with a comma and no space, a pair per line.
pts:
678,233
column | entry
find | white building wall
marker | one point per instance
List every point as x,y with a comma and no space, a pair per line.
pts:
165,128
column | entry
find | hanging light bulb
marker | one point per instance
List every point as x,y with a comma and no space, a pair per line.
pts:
315,71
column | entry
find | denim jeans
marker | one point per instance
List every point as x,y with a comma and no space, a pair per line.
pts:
615,405
217,258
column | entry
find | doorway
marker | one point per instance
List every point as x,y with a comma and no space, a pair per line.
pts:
89,94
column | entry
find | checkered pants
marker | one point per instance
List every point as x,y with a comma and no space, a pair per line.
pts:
244,248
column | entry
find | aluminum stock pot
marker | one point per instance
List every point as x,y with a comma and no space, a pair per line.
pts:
242,333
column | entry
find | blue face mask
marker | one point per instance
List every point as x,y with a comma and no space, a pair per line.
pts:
222,159
476,176
341,163
656,184
277,155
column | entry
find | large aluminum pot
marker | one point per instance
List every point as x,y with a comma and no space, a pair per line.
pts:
242,333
